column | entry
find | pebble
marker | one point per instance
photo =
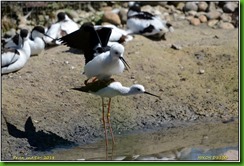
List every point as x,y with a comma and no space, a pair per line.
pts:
203,18
176,46
201,71
211,7
213,15
112,18
231,155
195,21
225,17
202,6
212,23
226,25
190,6
180,6
229,7
123,16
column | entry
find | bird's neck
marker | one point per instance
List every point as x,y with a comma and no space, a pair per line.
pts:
125,91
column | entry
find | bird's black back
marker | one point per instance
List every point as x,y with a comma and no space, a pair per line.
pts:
87,39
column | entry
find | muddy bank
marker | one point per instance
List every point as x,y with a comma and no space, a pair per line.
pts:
197,83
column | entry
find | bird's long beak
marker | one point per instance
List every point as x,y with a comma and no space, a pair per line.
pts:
124,62
49,36
152,95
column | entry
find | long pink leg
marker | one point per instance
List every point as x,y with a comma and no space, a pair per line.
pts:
105,130
108,119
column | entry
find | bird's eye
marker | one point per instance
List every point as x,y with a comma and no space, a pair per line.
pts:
116,52
138,89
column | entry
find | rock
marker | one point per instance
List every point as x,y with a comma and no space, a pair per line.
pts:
180,6
211,7
203,18
212,23
107,9
230,7
201,71
190,6
123,15
213,15
192,13
73,14
195,21
226,25
202,6
176,46
111,18
225,17
231,155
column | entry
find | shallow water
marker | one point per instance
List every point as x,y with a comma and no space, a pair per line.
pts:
198,142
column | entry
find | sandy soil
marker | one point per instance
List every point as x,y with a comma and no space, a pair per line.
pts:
38,102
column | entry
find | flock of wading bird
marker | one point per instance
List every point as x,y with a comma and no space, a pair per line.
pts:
102,46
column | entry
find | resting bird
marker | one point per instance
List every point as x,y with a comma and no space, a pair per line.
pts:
15,59
62,27
145,23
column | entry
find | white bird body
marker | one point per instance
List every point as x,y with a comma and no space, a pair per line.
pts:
64,26
13,61
140,22
116,89
137,26
68,25
35,41
117,35
37,46
106,64
54,32
10,43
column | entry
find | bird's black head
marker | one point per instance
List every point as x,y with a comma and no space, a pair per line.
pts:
23,33
39,29
135,8
61,16
87,26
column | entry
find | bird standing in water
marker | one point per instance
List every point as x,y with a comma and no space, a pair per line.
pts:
109,89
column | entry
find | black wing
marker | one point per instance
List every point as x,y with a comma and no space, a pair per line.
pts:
87,39
143,15
104,35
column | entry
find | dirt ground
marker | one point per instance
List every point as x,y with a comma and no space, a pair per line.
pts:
197,83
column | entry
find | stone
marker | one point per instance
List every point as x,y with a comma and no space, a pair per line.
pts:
112,18
213,15
180,6
195,21
176,46
202,6
212,23
231,155
226,17
211,7
123,15
192,13
190,6
230,7
226,25
203,18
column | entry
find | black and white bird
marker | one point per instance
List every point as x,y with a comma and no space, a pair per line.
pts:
101,61
109,89
13,59
36,42
62,27
117,34
145,23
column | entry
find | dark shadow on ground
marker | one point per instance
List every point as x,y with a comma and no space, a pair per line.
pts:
39,140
